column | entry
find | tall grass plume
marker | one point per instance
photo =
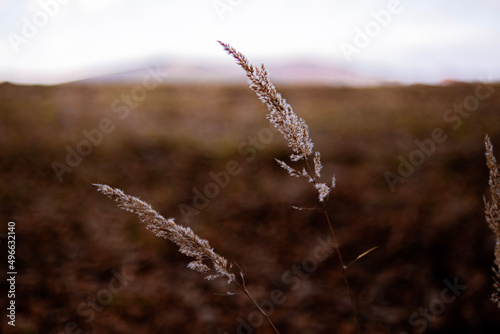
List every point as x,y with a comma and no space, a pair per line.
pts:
493,214
296,133
188,242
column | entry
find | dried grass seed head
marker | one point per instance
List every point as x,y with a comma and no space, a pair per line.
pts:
492,213
293,128
188,242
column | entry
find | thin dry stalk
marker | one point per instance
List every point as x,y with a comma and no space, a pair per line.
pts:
189,243
492,213
295,131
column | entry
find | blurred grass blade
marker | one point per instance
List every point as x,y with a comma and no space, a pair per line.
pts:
361,255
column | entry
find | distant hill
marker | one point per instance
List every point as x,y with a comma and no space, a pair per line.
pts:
292,73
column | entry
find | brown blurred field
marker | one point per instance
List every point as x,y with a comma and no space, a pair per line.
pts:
70,239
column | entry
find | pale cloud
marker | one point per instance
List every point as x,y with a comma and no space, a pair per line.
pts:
86,35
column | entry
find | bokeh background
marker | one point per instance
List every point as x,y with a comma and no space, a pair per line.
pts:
167,109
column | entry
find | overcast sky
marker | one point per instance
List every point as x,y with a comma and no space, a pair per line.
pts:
51,41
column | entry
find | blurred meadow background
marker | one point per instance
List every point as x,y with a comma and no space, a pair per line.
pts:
144,99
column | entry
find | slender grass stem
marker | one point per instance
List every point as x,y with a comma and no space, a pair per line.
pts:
344,270
242,286
339,254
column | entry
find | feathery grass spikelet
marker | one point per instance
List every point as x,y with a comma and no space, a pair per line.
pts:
289,169
317,164
293,128
281,114
189,243
323,191
492,213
